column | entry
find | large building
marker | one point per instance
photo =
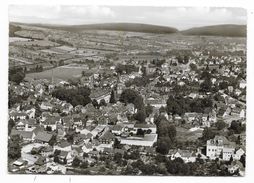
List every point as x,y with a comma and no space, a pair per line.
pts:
220,147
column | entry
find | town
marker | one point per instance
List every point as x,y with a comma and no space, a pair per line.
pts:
125,103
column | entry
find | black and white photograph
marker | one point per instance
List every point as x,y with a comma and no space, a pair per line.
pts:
127,90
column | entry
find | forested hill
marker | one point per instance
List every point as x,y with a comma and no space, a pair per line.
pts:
129,27
229,30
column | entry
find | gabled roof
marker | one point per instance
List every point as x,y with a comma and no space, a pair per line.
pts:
117,128
107,136
43,136
64,144
24,134
63,153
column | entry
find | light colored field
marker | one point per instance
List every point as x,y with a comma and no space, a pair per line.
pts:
59,73
41,43
187,135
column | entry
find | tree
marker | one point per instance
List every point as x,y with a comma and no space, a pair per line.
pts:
85,155
83,73
128,96
143,70
176,105
14,148
220,125
242,159
16,75
48,128
163,145
140,116
193,66
112,97
84,164
237,127
206,85
11,124
95,103
118,158
140,132
149,110
166,129
76,162
207,134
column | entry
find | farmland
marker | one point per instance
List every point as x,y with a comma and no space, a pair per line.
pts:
59,73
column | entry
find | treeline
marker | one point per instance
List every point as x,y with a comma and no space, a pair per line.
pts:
16,75
13,29
132,96
128,68
180,105
166,134
74,96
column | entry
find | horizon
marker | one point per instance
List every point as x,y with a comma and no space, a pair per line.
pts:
181,18
67,25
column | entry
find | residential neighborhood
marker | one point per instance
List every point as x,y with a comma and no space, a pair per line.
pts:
100,102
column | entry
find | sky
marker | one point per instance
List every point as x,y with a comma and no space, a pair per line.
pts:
178,17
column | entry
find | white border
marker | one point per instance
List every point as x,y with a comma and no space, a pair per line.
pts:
5,177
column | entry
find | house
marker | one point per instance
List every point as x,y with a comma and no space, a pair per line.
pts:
46,106
98,95
18,115
20,163
31,113
43,137
40,161
107,138
28,136
156,103
30,124
242,114
47,151
76,152
93,154
50,122
147,140
117,129
131,108
62,156
238,154
186,155
190,116
236,166
220,147
87,147
20,125
63,145
67,108
77,121
242,84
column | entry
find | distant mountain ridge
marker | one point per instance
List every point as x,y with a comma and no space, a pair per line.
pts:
130,27
229,30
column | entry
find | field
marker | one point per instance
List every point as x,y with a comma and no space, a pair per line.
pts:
188,135
59,73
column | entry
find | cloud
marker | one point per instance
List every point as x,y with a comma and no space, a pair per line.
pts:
179,17
58,14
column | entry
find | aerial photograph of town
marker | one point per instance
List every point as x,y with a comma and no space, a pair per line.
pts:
101,90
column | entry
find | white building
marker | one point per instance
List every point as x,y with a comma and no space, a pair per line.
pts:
220,147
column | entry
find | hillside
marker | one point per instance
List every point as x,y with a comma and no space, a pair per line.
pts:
13,29
229,30
129,27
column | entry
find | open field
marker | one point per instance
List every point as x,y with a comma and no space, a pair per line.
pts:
188,135
59,73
